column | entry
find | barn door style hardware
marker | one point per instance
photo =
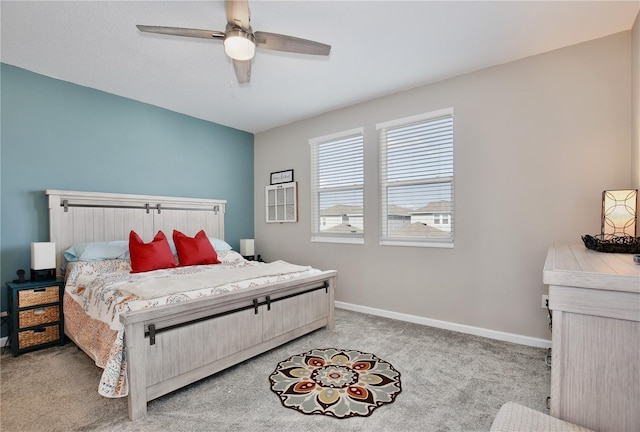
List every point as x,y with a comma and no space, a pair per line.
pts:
153,330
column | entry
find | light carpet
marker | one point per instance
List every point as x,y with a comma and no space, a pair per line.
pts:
450,382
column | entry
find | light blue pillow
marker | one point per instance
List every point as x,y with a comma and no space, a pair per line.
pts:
119,249
96,251
219,245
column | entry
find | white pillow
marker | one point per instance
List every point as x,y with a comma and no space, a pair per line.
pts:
229,256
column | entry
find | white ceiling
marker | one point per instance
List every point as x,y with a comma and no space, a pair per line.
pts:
378,48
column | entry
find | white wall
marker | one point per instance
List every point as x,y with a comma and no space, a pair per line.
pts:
635,110
536,142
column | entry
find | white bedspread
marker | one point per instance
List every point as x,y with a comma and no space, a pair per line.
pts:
107,289
208,276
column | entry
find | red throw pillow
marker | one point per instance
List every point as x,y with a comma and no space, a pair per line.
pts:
150,256
194,251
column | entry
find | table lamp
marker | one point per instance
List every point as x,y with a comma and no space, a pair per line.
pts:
247,247
619,213
43,261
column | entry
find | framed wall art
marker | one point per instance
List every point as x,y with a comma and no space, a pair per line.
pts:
281,177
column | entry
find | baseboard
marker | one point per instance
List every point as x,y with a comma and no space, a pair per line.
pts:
477,331
461,328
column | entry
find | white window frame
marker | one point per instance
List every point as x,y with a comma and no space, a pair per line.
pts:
316,234
385,239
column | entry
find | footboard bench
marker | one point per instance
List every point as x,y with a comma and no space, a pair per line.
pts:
171,346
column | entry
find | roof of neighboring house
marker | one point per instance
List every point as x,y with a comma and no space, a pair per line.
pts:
337,210
396,210
343,228
418,229
435,207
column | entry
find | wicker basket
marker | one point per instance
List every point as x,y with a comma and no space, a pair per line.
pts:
624,244
38,336
34,317
38,296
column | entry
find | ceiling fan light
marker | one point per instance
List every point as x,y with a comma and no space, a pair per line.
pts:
239,45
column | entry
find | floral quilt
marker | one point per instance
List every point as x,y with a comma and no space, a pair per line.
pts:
98,292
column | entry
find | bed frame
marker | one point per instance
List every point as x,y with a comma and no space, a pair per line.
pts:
171,346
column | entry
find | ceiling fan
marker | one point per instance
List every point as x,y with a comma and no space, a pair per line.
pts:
240,41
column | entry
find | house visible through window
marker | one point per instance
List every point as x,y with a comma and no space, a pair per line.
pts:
416,180
337,187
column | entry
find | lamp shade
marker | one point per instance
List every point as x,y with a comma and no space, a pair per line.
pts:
239,45
619,213
43,256
247,247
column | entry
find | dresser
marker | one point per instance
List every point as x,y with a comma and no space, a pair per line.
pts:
595,363
35,315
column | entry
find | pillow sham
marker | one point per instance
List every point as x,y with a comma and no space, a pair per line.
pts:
229,256
194,251
219,245
97,251
150,256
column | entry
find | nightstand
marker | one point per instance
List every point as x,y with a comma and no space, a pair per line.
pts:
35,315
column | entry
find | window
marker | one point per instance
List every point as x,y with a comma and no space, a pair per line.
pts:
441,218
416,180
337,187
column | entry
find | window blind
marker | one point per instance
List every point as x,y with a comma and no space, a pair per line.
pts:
416,179
337,186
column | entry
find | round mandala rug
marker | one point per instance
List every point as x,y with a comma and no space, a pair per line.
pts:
335,382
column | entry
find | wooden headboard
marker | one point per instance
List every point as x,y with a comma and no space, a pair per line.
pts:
79,217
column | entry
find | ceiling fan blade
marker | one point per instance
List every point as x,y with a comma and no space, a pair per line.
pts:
243,70
179,31
237,13
280,42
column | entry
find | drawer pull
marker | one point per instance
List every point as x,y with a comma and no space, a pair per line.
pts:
39,330
39,290
39,311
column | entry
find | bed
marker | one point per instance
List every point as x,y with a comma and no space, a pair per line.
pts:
157,345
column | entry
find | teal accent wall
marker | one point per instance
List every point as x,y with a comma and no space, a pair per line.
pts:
58,135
